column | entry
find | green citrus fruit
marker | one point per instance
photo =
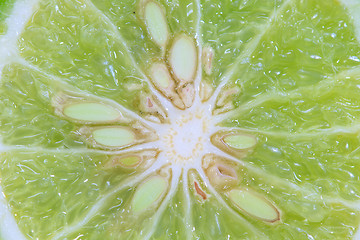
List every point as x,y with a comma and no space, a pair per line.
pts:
191,119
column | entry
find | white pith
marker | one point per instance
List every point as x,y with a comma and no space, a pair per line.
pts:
186,139
174,141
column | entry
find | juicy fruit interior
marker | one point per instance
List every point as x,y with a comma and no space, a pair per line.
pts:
183,119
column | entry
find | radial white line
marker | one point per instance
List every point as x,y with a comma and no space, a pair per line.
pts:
67,87
249,49
247,106
9,229
175,178
164,101
188,215
286,96
357,234
336,129
145,146
16,22
284,182
100,204
198,78
258,171
226,206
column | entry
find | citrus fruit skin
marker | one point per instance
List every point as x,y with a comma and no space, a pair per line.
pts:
192,119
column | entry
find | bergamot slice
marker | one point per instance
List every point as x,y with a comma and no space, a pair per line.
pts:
155,119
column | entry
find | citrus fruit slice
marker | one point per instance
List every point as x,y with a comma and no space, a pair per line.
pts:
193,119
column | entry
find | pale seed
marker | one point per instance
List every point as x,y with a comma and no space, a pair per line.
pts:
130,161
113,136
160,76
187,94
183,59
156,23
207,59
162,79
239,141
91,112
254,205
149,193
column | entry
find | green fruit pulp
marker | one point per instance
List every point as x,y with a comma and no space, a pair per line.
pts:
299,77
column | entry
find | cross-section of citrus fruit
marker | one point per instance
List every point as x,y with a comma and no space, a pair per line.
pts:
191,119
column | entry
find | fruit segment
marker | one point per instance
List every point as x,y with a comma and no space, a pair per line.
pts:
254,205
296,165
234,142
155,20
149,193
113,136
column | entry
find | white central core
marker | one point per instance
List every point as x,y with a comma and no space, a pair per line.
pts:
184,140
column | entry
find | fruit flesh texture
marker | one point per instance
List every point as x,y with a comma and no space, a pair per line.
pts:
306,144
